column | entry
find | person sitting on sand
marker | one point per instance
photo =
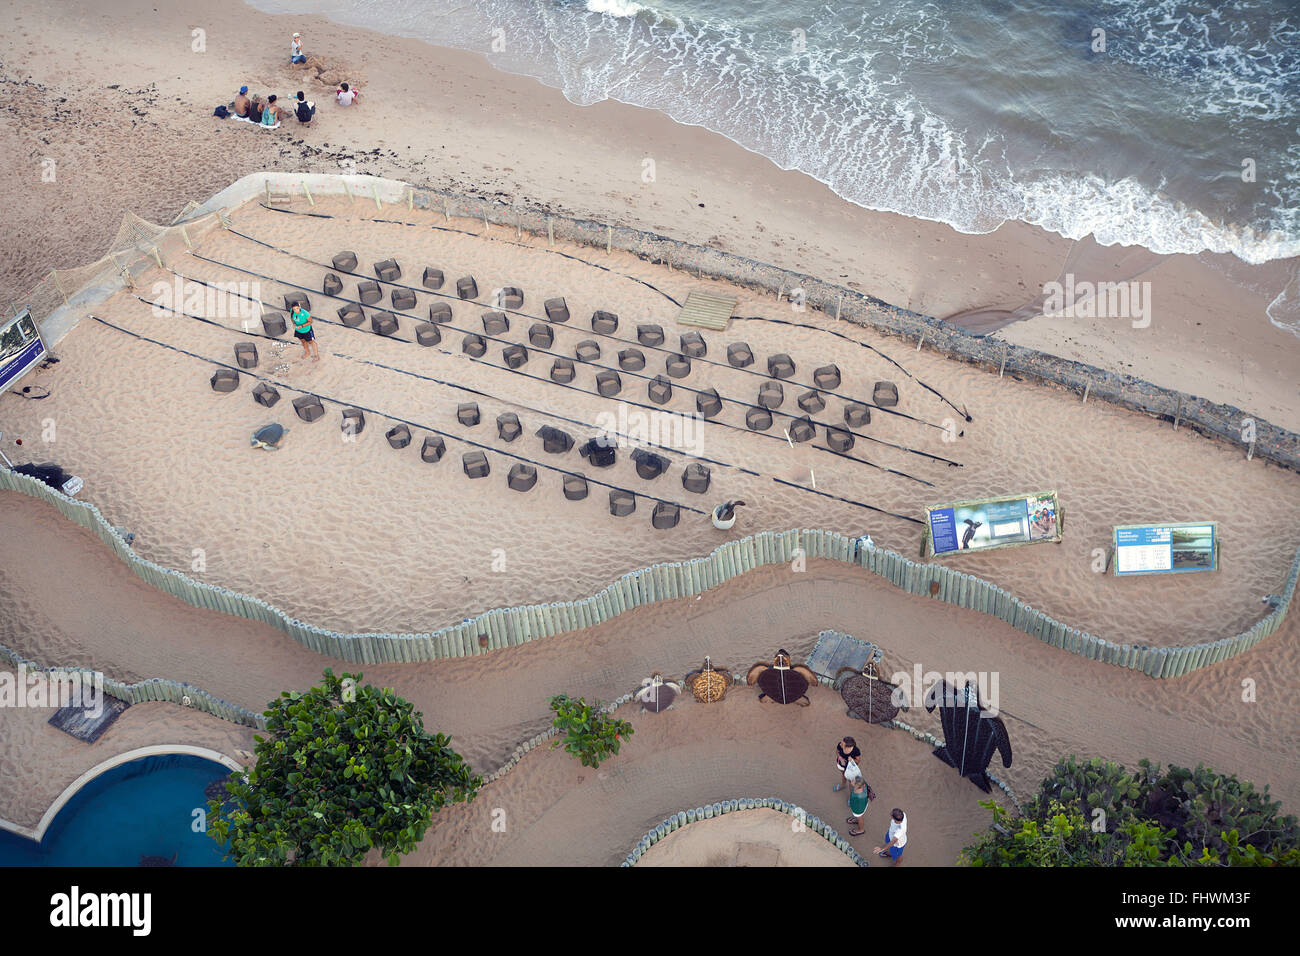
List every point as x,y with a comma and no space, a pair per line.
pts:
255,108
295,50
347,96
303,331
271,113
242,103
303,110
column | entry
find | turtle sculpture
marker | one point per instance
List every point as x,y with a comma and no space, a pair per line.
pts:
971,733
656,694
709,683
268,437
869,697
782,683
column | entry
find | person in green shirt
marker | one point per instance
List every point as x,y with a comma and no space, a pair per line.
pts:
859,797
303,331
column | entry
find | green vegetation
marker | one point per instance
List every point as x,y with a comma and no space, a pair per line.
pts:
590,734
344,769
1095,813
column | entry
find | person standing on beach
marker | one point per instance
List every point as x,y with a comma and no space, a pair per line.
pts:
845,751
896,838
303,331
295,50
859,797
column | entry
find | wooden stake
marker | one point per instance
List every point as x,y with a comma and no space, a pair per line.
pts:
446,210
1003,369
157,256
307,193
919,342
267,183
1087,386
550,232
609,239
1250,452
486,225
410,199
186,236
519,228
781,291
1178,412
348,189
838,304
374,188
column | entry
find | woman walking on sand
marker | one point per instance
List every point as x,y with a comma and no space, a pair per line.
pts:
846,752
303,331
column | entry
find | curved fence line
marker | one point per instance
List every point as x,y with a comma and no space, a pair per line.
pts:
685,817
152,689
512,626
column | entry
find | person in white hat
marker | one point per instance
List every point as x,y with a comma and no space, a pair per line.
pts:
295,50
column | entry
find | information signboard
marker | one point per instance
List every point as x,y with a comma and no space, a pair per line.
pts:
993,523
1166,548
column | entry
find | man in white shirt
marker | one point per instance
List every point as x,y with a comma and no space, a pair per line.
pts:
295,50
896,838
347,96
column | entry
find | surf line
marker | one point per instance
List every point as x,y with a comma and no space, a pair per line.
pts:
805,325
539,318
647,378
476,235
675,451
385,415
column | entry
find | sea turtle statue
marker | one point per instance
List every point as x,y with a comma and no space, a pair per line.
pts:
868,697
656,694
971,733
709,683
268,437
782,683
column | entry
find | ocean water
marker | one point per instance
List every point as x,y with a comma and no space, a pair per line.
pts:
970,113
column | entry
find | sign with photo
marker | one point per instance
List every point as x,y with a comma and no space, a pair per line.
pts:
993,523
1166,548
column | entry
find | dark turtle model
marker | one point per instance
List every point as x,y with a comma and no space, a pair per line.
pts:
709,683
656,694
782,683
971,733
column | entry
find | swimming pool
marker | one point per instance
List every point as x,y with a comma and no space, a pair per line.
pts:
141,808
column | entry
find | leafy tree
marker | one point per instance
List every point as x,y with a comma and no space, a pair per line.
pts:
1095,813
344,769
591,735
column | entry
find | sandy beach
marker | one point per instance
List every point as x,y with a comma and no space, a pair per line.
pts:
348,532
139,99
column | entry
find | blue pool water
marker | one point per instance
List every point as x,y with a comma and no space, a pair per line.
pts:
145,807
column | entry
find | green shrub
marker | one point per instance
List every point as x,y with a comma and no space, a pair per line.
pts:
343,769
1095,813
590,734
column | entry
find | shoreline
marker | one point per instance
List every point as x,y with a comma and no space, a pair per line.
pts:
585,161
